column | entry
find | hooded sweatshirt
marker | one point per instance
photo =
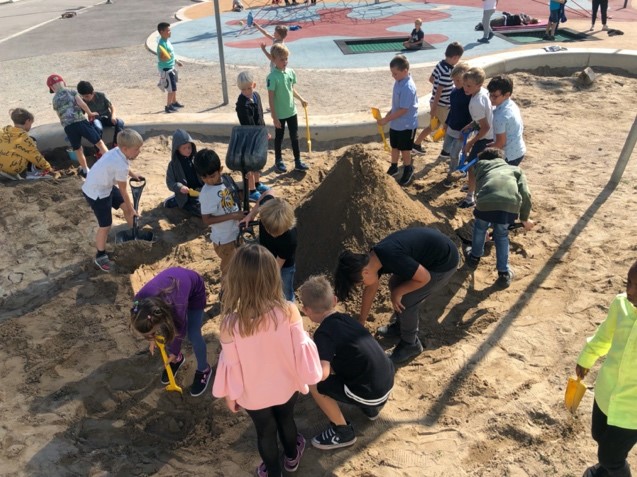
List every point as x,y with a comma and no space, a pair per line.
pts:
17,150
176,176
502,187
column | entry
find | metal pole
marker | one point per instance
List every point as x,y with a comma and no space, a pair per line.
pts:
627,150
222,62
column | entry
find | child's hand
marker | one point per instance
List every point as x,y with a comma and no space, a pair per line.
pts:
151,347
92,115
179,63
277,123
239,215
304,103
263,46
232,405
396,299
184,190
580,372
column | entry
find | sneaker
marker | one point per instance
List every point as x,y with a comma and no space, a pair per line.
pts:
177,105
408,175
491,35
393,170
404,351
417,149
444,154
261,187
392,330
290,465
104,263
175,366
447,183
464,188
467,203
280,166
604,27
38,174
483,40
595,471
254,196
591,28
261,470
301,166
471,260
169,109
334,437
505,278
200,383
372,412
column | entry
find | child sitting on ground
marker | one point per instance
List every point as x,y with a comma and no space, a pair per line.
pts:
507,120
614,425
181,176
356,370
280,32
281,94
171,305
440,93
502,196
100,104
219,209
416,38
70,108
19,151
249,110
402,118
105,188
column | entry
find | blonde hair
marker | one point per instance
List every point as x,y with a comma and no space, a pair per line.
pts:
317,294
279,50
418,21
245,79
460,69
252,290
282,30
129,138
277,216
475,74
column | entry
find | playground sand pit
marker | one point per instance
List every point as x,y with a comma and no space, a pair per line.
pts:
81,396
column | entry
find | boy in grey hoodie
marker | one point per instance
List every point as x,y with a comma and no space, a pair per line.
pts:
181,177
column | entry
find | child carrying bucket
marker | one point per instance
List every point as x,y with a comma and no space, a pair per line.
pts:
614,422
171,305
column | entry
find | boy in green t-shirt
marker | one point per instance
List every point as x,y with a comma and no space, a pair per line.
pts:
166,64
281,93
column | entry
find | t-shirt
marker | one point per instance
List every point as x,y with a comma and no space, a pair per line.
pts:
283,246
282,83
459,115
169,64
355,356
100,104
554,5
507,120
416,35
107,172
480,107
66,108
402,252
217,200
250,110
442,79
404,96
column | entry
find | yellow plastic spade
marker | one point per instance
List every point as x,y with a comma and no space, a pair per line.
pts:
575,390
438,134
307,132
160,341
434,123
193,193
377,116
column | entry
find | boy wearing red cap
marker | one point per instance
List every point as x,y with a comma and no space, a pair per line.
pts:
70,108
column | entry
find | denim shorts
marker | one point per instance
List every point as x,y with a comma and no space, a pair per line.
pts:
102,207
76,131
554,17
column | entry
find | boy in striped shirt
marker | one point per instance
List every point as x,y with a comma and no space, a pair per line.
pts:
442,86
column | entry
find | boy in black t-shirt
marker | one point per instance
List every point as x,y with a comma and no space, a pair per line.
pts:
355,368
99,103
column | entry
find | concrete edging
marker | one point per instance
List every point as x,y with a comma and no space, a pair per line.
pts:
361,125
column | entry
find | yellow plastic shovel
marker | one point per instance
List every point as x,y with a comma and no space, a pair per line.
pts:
307,132
377,116
575,390
160,341
193,192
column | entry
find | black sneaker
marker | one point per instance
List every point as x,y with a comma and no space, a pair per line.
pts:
393,170
505,278
417,149
174,367
447,183
483,40
444,153
334,437
471,260
467,203
200,383
177,105
372,412
301,166
280,166
169,109
408,175
391,330
404,351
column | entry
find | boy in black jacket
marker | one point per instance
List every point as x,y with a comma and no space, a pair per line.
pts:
181,177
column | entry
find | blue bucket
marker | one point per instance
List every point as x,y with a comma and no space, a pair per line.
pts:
72,155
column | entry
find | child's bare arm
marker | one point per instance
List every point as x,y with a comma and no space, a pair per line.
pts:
80,102
209,219
431,78
275,119
263,32
298,96
264,49
392,115
113,114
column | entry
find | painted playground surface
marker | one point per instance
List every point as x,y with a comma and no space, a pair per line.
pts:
315,29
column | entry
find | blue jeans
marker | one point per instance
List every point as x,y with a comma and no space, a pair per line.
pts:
500,237
106,122
287,276
195,322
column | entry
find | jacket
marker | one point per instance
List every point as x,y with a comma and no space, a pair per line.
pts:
175,175
502,187
18,150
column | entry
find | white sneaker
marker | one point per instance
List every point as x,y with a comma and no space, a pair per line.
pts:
604,27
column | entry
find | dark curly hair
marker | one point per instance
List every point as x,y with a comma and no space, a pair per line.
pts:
348,272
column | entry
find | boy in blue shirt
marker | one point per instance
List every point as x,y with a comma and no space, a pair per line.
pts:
166,64
402,118
555,7
507,120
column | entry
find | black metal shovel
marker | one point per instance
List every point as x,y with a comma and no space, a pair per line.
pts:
135,233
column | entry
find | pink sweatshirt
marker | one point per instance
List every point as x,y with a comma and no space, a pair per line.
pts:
265,369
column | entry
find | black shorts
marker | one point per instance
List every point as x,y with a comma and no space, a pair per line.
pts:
477,148
554,16
402,140
102,207
334,387
76,131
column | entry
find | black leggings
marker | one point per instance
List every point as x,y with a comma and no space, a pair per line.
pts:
293,126
603,6
613,444
268,422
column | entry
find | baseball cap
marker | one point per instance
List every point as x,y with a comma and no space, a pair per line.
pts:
51,80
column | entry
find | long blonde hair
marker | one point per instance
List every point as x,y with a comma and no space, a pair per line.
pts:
252,290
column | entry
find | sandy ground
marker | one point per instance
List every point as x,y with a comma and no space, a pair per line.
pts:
81,396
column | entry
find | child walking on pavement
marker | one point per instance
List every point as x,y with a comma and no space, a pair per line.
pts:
171,305
267,358
614,423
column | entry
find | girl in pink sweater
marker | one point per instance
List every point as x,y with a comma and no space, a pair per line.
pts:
267,358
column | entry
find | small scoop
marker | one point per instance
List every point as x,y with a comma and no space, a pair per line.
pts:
160,341
575,390
136,187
